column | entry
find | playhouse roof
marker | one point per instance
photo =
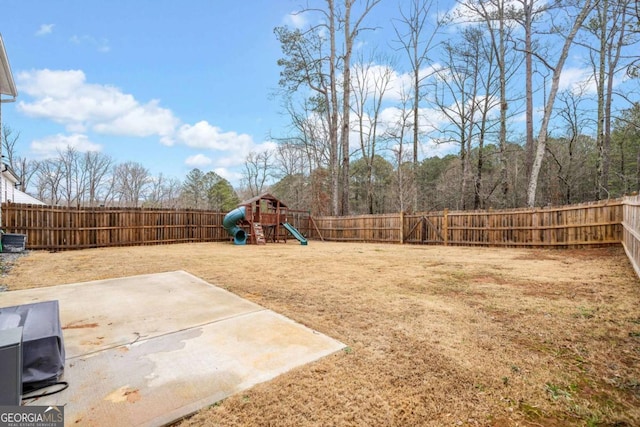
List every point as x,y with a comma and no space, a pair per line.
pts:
264,196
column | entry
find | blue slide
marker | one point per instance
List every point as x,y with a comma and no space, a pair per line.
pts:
291,229
230,224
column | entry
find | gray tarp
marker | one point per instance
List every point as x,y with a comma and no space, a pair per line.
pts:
42,342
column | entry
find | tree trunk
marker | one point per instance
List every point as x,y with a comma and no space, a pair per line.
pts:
501,57
528,58
346,107
548,109
416,126
600,189
613,57
333,120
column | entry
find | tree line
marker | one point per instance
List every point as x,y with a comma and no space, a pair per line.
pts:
568,177
359,116
355,135
94,179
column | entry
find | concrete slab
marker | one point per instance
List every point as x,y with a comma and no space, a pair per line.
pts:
148,350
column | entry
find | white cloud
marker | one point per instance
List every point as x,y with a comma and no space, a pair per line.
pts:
431,148
296,20
198,161
399,84
230,176
203,135
464,16
142,120
51,145
231,148
65,97
577,80
45,29
238,157
429,119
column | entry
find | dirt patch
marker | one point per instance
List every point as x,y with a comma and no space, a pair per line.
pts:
7,261
436,335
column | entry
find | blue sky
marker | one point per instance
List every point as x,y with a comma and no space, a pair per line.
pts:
170,84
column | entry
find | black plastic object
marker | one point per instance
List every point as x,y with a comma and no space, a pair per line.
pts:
10,365
14,242
43,353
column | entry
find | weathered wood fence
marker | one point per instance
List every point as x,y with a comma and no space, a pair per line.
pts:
603,223
560,227
62,228
631,230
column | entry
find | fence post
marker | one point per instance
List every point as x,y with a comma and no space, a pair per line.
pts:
445,227
535,236
401,228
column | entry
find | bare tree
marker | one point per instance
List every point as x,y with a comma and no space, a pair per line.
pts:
351,31
97,166
529,12
569,155
456,90
495,16
398,135
306,63
609,27
163,192
9,141
575,24
131,180
257,168
309,133
48,183
498,38
416,39
490,97
290,166
25,169
289,159
370,84
73,176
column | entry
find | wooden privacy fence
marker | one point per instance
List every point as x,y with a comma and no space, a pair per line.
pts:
63,228
602,223
568,226
60,228
631,230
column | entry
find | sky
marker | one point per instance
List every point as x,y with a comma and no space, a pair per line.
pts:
173,85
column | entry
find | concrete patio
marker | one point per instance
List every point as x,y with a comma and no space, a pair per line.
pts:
148,350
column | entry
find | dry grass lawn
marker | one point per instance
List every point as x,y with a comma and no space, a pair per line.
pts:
436,336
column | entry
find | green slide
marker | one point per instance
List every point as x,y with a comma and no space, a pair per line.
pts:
291,229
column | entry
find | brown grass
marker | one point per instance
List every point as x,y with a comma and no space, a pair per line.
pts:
436,335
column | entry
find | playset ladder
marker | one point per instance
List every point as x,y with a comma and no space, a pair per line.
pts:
259,233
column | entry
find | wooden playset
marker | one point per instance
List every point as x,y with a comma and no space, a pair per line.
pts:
260,220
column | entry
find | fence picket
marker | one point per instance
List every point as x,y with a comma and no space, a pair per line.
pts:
571,226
